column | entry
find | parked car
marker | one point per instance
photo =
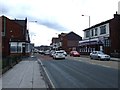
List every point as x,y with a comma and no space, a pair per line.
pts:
99,55
47,52
75,53
41,52
58,55
52,52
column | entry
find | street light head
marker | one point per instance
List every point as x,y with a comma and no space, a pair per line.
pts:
89,18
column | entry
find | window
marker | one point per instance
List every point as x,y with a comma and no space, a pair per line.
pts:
19,47
87,34
27,48
16,47
107,43
92,32
96,31
13,47
4,27
103,29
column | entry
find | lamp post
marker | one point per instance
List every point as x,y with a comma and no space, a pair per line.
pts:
89,19
89,27
31,35
28,28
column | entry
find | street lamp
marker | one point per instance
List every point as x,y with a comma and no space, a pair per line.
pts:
30,35
89,19
28,28
89,30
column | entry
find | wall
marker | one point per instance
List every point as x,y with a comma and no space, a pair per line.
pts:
0,38
115,34
98,28
13,31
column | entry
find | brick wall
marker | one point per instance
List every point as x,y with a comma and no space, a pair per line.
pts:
13,31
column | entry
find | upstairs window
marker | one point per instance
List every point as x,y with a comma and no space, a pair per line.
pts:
92,32
96,31
87,34
103,29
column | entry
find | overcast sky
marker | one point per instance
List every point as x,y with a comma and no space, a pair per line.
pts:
56,16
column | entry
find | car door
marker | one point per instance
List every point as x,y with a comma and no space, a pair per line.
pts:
95,55
92,55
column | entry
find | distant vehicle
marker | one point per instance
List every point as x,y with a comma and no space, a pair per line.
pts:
52,52
99,55
64,52
35,50
41,52
58,55
47,52
75,54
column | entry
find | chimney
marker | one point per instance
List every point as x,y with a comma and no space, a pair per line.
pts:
117,16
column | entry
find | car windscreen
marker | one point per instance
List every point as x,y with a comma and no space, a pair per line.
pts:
100,53
59,52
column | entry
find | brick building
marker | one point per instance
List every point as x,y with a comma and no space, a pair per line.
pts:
71,41
15,37
55,43
104,36
66,41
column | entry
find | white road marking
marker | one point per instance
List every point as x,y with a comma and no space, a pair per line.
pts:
47,74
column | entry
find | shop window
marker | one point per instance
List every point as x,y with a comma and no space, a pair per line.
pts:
16,47
13,47
107,42
19,47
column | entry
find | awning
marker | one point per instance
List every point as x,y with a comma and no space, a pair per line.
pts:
90,42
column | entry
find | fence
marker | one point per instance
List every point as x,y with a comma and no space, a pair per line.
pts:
9,62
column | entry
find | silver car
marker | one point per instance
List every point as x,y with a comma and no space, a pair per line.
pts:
58,55
99,55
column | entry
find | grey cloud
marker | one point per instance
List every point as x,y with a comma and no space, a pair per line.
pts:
52,24
3,9
23,13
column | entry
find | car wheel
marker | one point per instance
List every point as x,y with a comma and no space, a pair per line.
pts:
108,59
91,57
99,58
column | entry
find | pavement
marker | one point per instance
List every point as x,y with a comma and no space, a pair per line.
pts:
26,74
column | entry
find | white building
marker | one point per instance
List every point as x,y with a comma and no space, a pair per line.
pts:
103,36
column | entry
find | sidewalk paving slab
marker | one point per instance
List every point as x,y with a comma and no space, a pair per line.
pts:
26,74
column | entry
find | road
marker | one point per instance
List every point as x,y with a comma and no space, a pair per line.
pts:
70,73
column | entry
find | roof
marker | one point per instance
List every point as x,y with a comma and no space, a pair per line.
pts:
104,22
73,36
116,16
21,22
55,40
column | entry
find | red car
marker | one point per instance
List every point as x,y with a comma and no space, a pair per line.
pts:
75,54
